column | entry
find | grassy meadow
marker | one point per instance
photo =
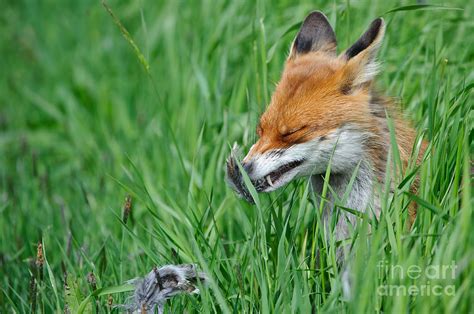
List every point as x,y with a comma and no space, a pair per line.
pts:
144,100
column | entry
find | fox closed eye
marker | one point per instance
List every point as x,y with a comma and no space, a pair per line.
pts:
286,134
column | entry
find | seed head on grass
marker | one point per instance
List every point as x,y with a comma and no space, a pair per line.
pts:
127,209
36,276
40,260
161,284
92,281
110,302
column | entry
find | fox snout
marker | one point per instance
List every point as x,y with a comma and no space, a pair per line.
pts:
276,167
272,169
267,172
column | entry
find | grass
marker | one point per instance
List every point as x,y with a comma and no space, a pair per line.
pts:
87,119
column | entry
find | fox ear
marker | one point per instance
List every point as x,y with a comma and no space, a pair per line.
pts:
361,64
316,34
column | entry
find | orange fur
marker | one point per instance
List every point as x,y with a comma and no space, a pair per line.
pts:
309,99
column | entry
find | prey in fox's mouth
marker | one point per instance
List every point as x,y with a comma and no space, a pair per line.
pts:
262,183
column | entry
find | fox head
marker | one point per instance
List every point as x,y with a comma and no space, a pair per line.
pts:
320,110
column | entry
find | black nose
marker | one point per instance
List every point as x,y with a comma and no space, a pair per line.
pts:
248,167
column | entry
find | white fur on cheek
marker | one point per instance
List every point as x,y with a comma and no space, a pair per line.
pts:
344,145
349,148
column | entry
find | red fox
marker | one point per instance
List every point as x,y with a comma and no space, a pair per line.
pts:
325,110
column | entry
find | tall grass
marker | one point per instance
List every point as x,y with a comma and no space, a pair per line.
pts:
83,124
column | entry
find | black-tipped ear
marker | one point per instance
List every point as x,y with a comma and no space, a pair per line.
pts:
370,37
361,65
316,34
